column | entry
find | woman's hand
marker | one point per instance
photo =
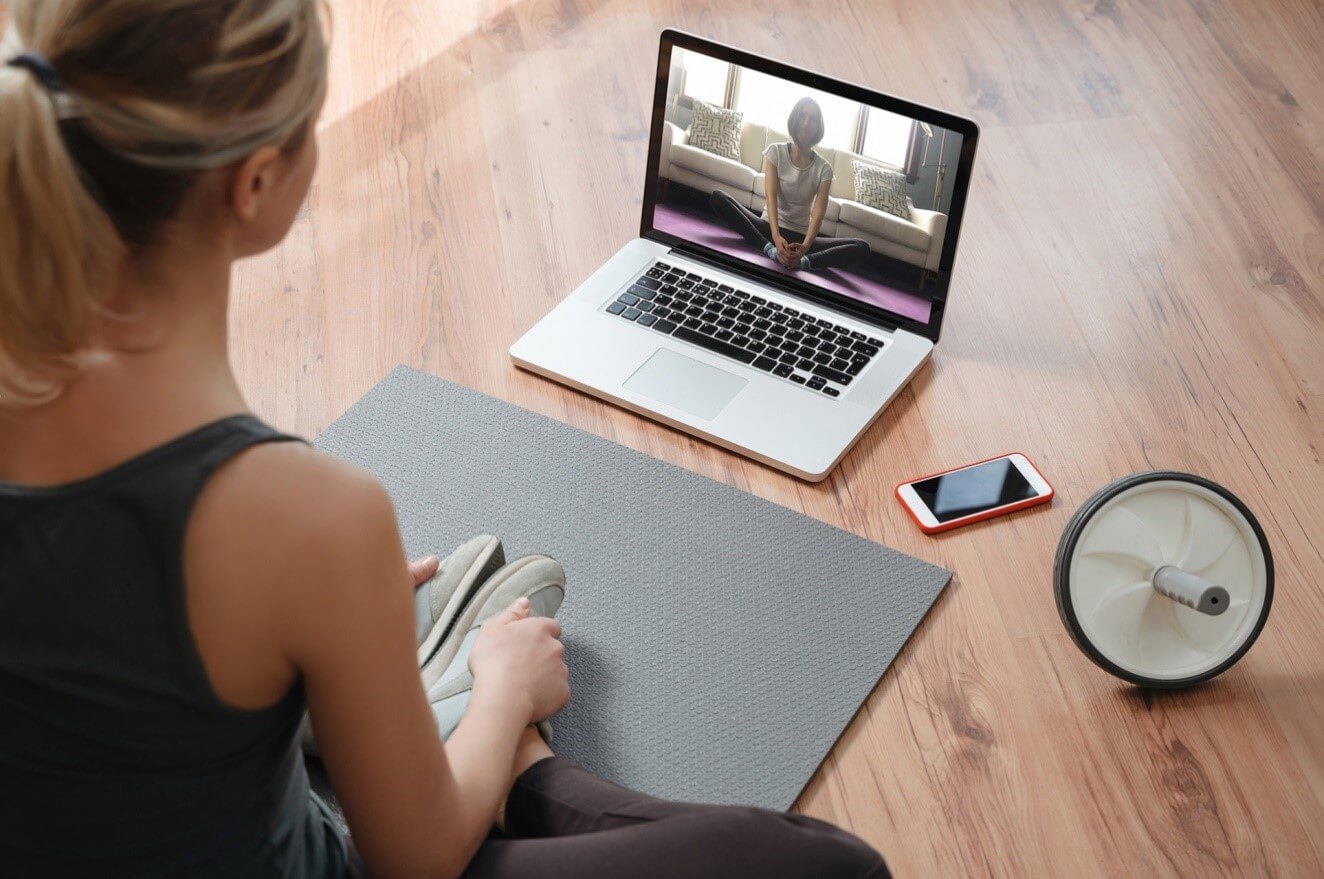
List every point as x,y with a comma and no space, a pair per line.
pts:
522,658
422,570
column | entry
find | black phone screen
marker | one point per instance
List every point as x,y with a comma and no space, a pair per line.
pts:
973,490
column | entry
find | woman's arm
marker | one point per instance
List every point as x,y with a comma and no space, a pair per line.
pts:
816,213
771,191
315,542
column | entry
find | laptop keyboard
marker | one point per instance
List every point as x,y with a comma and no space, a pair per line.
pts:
807,350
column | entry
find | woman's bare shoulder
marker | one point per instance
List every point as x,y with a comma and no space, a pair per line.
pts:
295,489
284,516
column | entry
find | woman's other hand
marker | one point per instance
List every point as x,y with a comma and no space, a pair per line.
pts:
422,570
522,658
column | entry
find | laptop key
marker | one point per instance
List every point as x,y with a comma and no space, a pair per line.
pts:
650,283
616,308
817,382
757,347
693,323
838,364
725,323
767,364
714,345
788,358
742,341
643,292
647,320
831,374
627,298
664,326
722,335
784,371
644,306
798,378
854,369
725,288
822,358
631,313
831,392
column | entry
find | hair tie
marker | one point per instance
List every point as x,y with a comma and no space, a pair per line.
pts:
41,68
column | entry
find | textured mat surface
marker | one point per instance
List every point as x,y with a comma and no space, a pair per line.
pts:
718,644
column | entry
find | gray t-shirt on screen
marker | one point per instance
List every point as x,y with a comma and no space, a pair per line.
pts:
796,186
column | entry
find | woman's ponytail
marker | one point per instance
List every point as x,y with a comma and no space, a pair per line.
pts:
110,110
58,248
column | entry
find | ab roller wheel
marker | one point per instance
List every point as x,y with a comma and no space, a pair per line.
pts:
1164,579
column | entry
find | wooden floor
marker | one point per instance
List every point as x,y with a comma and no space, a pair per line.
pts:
1140,285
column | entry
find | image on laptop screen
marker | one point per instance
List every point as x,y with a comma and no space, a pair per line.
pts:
873,187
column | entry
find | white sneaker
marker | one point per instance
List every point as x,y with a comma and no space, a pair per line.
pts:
446,675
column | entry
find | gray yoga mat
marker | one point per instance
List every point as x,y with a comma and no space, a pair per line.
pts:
718,643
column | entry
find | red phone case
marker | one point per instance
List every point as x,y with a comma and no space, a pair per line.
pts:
976,517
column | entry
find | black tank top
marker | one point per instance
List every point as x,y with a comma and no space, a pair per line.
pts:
117,758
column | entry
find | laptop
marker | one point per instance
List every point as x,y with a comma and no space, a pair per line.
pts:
717,324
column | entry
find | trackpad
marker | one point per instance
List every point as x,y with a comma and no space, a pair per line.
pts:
685,383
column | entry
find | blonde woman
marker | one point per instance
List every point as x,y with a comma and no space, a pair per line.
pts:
178,580
796,181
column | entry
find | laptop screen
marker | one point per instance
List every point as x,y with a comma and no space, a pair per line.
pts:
853,201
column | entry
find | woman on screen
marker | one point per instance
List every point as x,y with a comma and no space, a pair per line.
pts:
796,184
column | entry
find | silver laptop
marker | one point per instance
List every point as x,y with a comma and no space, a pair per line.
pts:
713,323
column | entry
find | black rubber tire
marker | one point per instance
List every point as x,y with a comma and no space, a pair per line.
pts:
1067,545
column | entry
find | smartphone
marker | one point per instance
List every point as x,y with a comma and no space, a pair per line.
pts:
979,491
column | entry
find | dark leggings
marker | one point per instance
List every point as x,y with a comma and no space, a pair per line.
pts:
563,822
825,253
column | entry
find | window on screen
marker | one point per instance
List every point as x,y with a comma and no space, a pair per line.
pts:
886,136
705,78
768,101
